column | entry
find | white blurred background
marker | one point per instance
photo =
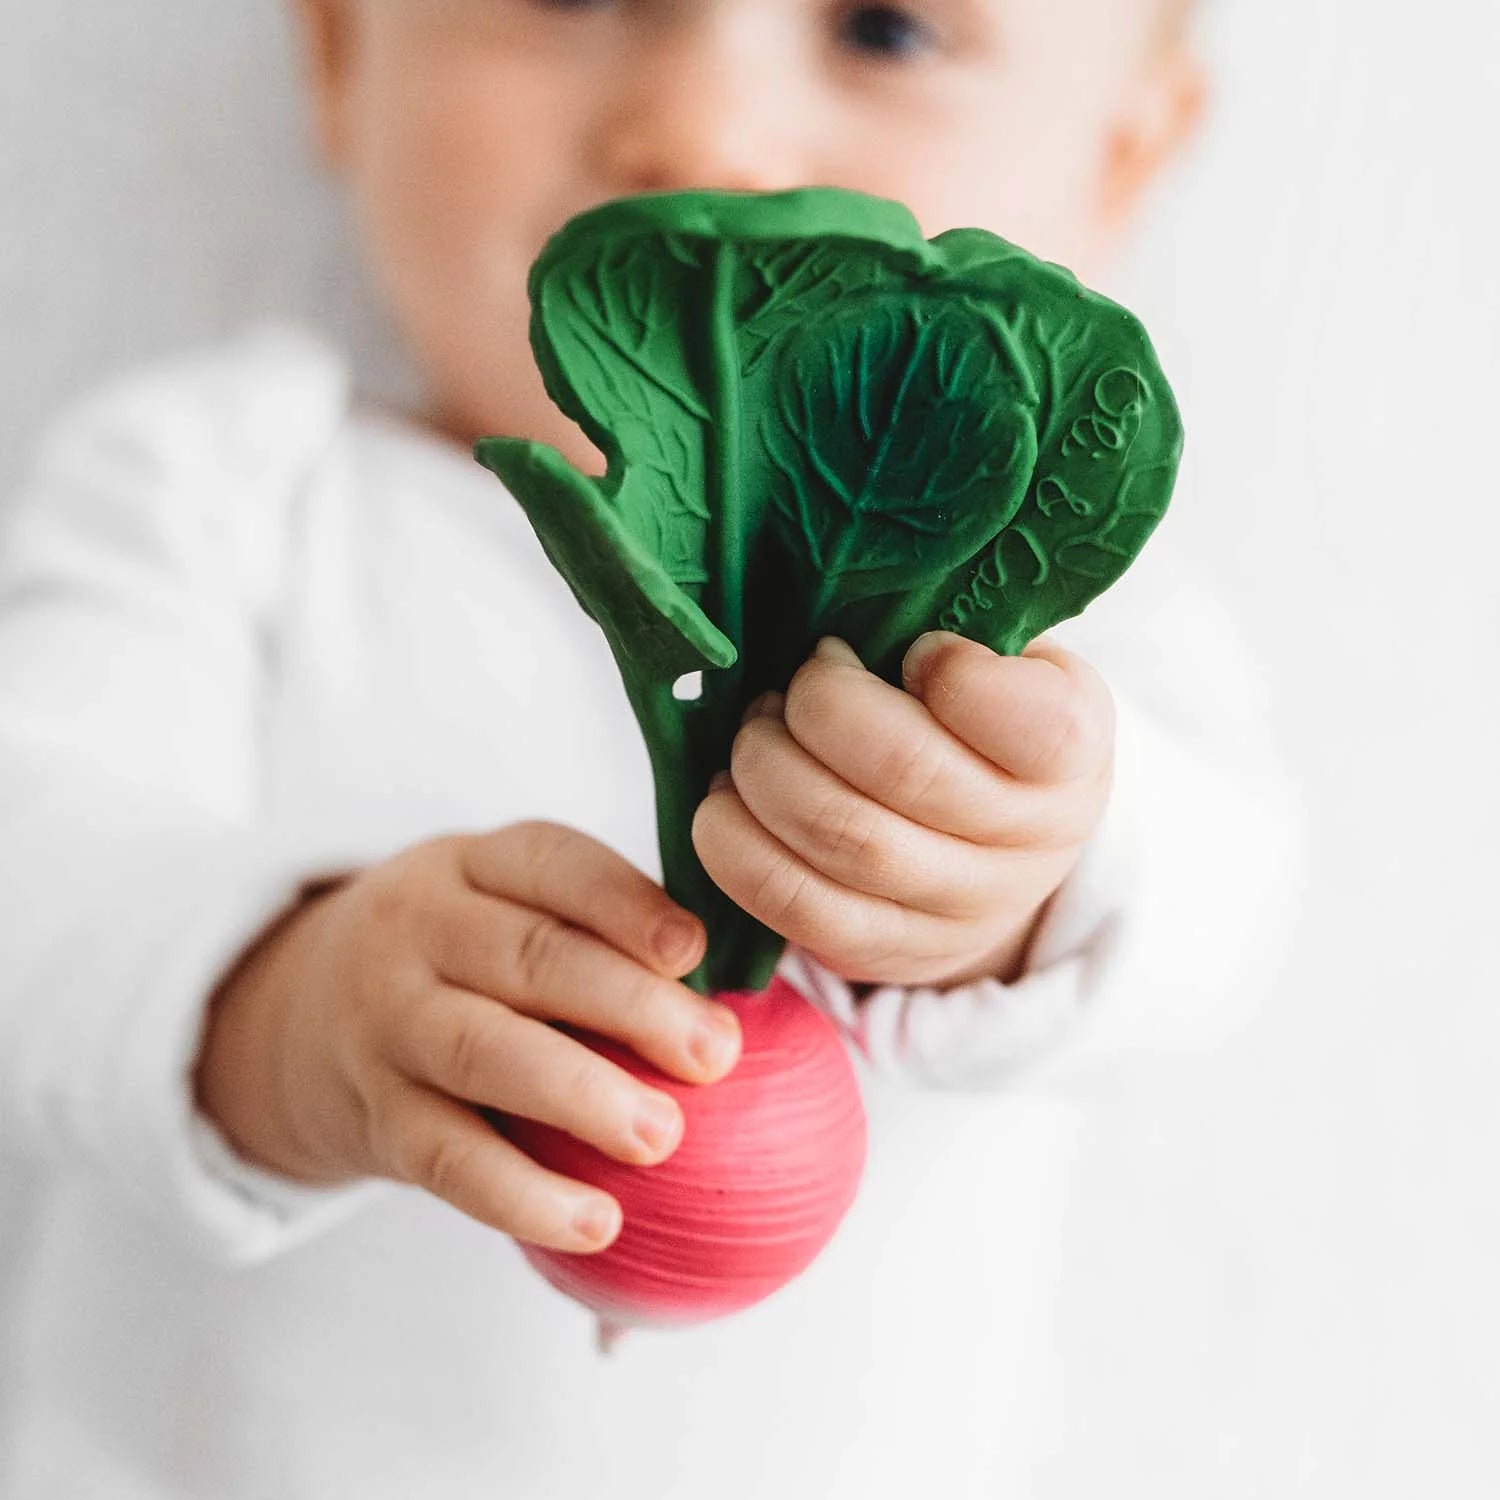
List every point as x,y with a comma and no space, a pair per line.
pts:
1280,1278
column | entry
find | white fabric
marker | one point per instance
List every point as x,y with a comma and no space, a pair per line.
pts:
252,635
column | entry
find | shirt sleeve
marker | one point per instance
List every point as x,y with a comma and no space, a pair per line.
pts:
1178,916
136,567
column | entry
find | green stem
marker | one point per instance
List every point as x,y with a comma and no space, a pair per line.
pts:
729,501
742,953
680,784
689,742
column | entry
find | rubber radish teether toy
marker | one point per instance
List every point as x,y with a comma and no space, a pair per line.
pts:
815,422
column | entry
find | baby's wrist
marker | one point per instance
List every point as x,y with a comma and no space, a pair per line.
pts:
241,1071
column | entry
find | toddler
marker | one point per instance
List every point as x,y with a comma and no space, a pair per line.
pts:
321,800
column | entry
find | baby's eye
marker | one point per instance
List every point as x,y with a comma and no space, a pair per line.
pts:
885,31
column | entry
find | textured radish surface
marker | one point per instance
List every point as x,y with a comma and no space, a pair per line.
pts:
770,1161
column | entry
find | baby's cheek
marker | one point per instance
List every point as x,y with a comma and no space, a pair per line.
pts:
1026,145
460,173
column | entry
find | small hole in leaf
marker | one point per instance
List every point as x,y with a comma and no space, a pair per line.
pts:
688,688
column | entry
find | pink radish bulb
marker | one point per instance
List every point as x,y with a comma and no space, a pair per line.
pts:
769,1163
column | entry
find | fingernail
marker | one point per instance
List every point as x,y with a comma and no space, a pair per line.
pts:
767,703
596,1220
831,648
717,1041
919,656
658,1122
676,938
722,780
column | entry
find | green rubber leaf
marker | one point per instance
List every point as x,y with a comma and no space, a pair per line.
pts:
587,541
900,440
622,371
815,421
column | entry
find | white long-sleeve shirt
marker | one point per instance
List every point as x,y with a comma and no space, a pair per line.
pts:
253,634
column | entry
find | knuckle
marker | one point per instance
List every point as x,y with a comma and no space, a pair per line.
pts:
402,886
846,828
439,850
535,841
443,1164
530,843
388,898
792,901
911,766
463,945
531,833
1068,737
390,929
540,950
649,1008
781,895
468,1059
430,861
585,1088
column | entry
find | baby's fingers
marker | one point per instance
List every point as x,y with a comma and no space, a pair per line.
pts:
542,966
553,868
854,839
422,1138
472,1048
1044,717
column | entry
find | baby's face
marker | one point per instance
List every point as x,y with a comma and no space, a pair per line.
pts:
470,130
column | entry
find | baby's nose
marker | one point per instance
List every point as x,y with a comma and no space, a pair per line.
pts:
701,109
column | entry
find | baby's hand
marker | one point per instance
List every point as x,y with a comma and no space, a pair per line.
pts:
913,837
354,1038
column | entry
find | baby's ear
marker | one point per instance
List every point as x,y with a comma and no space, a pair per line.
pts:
326,28
1159,117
